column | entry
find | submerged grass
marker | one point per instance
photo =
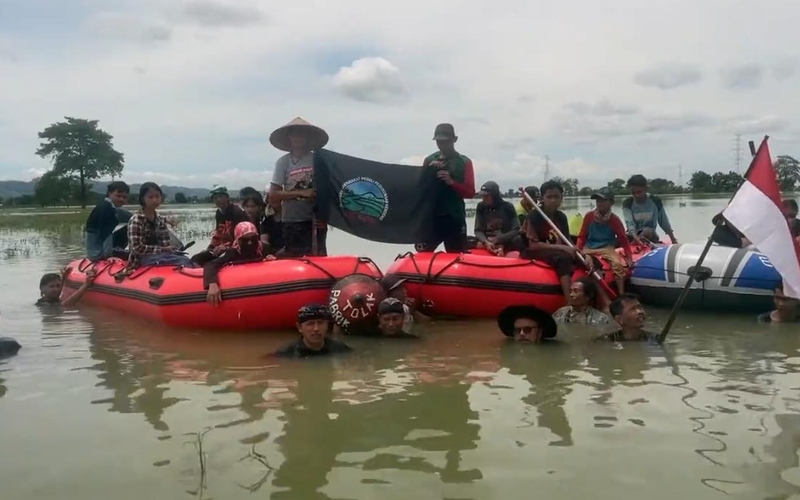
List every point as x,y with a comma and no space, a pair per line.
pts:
43,219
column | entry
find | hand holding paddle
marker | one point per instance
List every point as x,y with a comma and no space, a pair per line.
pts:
582,258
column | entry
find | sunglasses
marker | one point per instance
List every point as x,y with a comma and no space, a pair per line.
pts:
527,330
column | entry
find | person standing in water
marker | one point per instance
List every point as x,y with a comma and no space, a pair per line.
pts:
314,323
526,324
786,309
292,187
582,308
629,314
644,212
456,177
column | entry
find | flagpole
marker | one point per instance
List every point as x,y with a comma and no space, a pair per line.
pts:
693,271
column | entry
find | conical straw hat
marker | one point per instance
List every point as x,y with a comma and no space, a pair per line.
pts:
317,138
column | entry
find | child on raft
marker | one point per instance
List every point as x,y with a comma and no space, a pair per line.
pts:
103,220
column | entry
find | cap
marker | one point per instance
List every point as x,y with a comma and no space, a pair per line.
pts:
311,312
390,305
443,132
218,189
392,281
490,187
603,194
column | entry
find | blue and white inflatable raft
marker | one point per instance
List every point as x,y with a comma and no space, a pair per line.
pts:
730,279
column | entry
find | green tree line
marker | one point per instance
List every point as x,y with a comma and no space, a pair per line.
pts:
81,153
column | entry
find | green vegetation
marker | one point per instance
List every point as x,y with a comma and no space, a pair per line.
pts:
81,152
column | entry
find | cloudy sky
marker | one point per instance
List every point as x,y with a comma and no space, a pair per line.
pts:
191,89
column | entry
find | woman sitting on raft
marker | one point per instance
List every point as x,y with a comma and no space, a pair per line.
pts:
148,236
247,247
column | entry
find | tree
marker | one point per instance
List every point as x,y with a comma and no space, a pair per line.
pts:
726,183
788,170
180,198
700,182
661,186
78,148
52,190
618,186
570,185
586,191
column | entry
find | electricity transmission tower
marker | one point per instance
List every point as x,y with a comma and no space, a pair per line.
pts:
737,152
546,168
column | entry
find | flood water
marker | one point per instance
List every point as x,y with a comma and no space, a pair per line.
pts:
99,406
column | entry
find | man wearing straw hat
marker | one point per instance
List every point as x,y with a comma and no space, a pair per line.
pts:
292,187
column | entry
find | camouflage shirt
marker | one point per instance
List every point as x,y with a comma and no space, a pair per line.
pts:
589,317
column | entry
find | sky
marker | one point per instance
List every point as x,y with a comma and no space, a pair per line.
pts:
191,89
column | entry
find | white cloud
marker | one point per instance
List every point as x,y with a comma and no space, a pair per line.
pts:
371,79
202,100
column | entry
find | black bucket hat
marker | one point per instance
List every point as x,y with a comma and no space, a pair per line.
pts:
506,319
603,194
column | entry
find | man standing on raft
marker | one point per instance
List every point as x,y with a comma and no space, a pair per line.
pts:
456,183
292,187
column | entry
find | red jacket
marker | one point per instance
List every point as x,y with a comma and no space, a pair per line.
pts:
616,224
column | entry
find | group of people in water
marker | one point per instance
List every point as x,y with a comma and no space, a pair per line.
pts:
283,224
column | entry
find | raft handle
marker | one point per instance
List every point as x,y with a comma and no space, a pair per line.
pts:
703,273
155,283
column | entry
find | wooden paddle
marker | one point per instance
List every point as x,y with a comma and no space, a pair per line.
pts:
611,293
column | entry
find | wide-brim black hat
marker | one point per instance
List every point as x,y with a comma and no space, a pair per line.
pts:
506,319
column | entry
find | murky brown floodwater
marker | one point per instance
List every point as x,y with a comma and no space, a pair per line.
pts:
99,406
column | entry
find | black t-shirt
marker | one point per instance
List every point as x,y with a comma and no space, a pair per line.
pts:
542,230
48,302
298,349
272,228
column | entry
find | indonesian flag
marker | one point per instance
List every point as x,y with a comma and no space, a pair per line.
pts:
756,211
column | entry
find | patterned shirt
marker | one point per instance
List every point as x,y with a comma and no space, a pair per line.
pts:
589,317
146,237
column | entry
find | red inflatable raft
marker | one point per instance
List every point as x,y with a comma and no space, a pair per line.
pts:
260,295
480,285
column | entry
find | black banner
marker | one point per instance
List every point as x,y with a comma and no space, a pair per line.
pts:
375,201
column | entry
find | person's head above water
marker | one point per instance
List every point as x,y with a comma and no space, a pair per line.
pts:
117,192
552,192
150,195
391,315
526,324
783,304
627,311
583,293
638,186
50,287
246,240
313,323
395,287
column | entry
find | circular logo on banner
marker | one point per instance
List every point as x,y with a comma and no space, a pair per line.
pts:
364,198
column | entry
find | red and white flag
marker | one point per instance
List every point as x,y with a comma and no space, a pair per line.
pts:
756,211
